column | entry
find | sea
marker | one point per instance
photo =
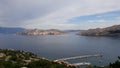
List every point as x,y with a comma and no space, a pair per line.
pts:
55,47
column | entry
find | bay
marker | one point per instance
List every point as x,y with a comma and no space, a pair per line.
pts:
63,46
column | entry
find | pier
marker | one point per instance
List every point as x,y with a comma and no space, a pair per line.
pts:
80,57
77,57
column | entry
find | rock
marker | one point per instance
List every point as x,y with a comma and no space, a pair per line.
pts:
109,31
41,32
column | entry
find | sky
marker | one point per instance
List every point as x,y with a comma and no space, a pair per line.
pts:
59,14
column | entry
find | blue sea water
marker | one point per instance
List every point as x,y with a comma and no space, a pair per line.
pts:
68,45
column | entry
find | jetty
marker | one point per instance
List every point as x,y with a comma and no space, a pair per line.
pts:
63,60
80,57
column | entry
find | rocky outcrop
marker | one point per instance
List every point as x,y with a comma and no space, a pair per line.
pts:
10,58
109,31
41,32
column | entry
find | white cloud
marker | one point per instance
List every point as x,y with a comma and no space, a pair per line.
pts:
52,13
99,23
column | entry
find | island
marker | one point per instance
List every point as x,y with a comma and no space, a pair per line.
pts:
41,32
10,58
108,31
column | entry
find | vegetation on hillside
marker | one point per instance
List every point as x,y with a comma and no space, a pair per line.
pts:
20,59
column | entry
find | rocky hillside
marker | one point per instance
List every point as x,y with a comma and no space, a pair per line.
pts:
41,32
10,58
109,31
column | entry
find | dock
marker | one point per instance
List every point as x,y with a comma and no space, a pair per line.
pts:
80,57
63,60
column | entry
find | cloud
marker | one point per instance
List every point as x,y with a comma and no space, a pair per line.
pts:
91,24
51,13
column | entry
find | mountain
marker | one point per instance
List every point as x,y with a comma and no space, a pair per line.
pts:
109,31
41,32
9,30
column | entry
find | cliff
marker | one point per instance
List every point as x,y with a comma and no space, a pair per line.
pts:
41,32
109,31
